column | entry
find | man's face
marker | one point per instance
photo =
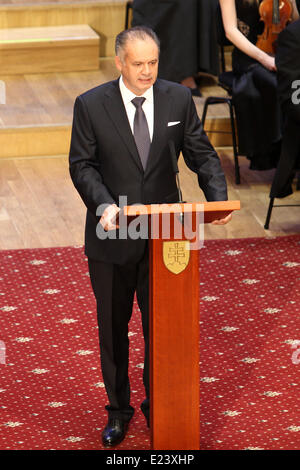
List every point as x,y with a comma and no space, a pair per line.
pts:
139,65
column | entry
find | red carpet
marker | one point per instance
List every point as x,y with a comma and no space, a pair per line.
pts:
51,389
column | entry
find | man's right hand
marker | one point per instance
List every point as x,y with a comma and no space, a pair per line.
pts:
109,218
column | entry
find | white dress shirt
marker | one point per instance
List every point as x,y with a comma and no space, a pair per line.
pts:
148,106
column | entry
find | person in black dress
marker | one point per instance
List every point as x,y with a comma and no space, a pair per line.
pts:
187,33
288,75
255,97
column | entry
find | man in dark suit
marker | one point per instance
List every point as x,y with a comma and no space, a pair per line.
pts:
288,79
120,147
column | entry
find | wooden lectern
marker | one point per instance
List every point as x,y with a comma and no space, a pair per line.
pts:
174,319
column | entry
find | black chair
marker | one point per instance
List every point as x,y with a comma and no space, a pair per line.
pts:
128,14
288,166
225,81
271,204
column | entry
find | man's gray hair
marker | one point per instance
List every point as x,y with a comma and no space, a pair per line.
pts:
137,32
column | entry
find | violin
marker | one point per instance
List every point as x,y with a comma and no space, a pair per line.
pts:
275,14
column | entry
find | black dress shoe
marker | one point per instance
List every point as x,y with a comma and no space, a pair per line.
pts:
145,407
114,432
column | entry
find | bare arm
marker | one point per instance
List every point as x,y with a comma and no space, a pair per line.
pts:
295,12
238,39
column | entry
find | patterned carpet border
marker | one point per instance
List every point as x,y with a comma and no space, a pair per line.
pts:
51,388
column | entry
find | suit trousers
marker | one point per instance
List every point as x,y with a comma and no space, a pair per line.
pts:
114,287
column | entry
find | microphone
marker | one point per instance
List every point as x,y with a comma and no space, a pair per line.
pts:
176,172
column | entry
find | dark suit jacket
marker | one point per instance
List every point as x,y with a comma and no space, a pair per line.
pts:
104,162
288,60
288,71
